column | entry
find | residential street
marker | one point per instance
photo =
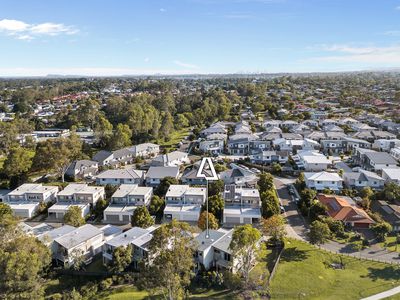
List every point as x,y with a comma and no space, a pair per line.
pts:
297,229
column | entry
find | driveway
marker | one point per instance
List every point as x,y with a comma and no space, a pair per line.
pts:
296,227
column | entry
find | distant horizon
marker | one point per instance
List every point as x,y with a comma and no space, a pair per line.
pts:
55,75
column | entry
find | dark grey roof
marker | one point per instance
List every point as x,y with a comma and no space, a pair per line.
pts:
123,153
381,158
161,172
102,155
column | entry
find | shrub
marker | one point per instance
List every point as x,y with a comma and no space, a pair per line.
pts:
106,284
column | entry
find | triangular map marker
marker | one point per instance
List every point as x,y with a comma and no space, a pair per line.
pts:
202,174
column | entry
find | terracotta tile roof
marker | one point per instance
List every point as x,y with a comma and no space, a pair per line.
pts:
340,209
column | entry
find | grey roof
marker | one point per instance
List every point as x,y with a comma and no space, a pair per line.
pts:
110,230
136,236
381,158
203,242
121,173
78,236
161,172
102,155
124,152
55,233
224,243
193,173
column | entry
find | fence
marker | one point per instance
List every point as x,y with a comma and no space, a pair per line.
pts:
271,275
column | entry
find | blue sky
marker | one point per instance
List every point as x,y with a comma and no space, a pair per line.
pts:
116,37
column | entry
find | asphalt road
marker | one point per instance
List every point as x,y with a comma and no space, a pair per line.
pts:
296,227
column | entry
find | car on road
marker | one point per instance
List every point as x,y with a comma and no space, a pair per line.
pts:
282,209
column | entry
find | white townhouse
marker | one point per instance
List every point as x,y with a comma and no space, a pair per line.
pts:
76,194
120,176
216,128
395,152
242,206
172,159
213,143
25,200
311,161
82,168
124,202
323,180
391,175
48,237
85,241
138,238
385,145
183,202
213,251
145,150
363,178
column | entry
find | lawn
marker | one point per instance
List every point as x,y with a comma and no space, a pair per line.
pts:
174,138
132,293
390,244
125,294
305,272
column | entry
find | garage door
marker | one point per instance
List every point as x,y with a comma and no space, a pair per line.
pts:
232,220
189,218
112,218
126,219
59,215
247,220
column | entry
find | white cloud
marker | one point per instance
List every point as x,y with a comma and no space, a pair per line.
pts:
185,65
163,10
392,33
358,54
24,31
13,25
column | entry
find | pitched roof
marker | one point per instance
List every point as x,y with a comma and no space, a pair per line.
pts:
344,209
161,172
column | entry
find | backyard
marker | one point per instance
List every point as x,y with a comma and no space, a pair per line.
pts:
306,272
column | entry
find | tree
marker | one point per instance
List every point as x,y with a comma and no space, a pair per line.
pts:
57,154
141,218
391,191
244,246
301,182
156,206
122,258
317,209
275,228
216,206
216,187
307,196
382,229
122,137
366,192
270,204
5,210
266,182
167,125
170,271
19,161
73,216
23,260
100,206
319,232
276,168
163,187
212,221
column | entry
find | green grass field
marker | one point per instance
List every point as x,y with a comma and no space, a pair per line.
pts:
390,244
174,139
304,272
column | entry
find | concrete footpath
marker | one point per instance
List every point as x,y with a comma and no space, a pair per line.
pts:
384,295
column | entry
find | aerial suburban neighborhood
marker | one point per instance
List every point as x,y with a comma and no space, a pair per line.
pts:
199,149
272,168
